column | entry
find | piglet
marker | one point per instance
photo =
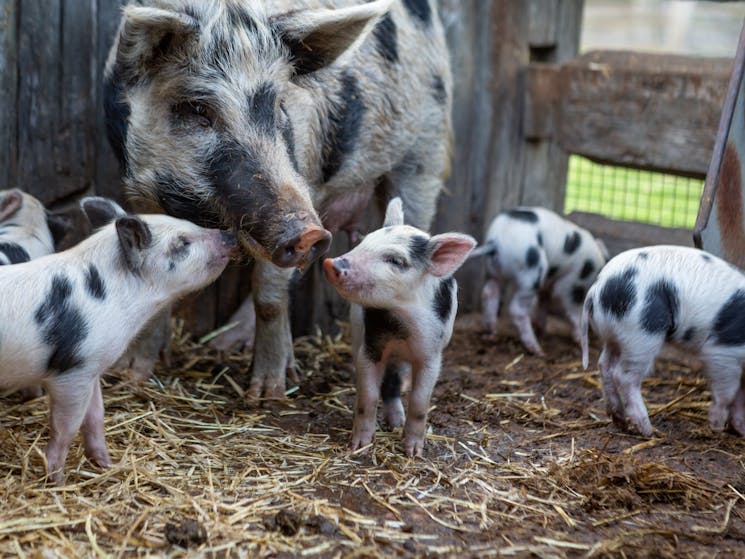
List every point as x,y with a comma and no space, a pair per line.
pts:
547,259
65,318
647,297
24,230
404,299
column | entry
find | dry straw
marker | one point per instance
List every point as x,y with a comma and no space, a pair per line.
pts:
516,469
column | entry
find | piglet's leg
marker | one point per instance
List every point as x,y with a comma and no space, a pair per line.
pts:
725,372
737,411
628,378
423,383
608,364
93,430
369,379
69,396
521,308
490,295
390,391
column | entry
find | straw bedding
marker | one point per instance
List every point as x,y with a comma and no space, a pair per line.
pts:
521,462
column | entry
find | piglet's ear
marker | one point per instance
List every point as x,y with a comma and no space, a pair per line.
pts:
394,213
100,211
134,238
10,203
448,252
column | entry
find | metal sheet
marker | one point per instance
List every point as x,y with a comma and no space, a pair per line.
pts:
720,224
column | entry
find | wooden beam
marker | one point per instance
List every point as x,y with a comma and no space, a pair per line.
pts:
651,111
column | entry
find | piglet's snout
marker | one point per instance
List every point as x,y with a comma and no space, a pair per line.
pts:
336,268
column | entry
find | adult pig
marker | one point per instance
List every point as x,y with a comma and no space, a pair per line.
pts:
279,120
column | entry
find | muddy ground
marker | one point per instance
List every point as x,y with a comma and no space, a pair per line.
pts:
521,462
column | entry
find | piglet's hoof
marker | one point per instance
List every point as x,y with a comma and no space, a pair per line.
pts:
362,441
99,457
414,446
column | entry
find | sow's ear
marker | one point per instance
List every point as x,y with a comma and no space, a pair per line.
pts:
10,202
134,237
316,38
148,34
100,211
394,213
448,251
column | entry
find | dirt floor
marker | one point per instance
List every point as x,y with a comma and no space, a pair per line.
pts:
521,462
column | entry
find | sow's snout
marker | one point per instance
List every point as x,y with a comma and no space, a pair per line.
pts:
274,221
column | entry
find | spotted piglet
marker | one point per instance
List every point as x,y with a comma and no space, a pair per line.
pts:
24,230
647,297
547,259
65,318
404,298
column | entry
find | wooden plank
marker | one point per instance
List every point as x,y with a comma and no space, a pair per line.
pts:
8,91
543,30
74,149
39,31
107,175
624,235
657,112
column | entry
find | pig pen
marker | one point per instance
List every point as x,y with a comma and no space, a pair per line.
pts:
521,461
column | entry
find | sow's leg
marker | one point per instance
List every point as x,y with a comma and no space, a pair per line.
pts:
273,354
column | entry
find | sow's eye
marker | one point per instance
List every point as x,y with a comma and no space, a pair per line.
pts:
396,260
195,111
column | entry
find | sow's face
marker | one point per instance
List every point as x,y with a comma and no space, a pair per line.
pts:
197,111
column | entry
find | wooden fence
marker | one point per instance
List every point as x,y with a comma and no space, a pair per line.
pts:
523,103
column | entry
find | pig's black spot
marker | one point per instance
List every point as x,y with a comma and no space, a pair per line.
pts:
661,307
419,9
94,283
578,294
643,255
418,245
443,302
706,258
729,324
117,116
386,38
618,294
172,198
688,334
390,389
539,239
552,271
63,327
343,127
261,104
528,216
381,326
587,269
572,242
288,134
532,257
240,18
438,89
14,253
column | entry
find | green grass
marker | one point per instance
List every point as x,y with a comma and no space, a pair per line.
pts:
631,194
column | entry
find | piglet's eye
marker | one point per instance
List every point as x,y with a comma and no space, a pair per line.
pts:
197,111
395,260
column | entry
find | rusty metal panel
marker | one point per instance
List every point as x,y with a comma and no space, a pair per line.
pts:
720,225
